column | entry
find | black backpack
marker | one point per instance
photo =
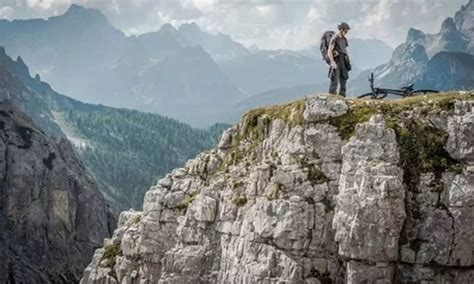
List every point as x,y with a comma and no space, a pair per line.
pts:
325,39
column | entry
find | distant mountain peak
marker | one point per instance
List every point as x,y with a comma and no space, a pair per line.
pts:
190,27
409,52
169,28
468,6
415,35
463,19
78,11
74,8
448,25
19,65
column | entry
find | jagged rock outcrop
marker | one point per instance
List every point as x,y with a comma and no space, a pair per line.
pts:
321,190
408,62
465,23
449,38
52,215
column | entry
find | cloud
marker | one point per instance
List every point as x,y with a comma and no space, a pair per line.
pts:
289,24
6,13
388,20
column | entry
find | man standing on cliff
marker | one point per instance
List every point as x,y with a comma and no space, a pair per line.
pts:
339,60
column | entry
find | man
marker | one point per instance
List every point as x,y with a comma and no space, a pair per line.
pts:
339,60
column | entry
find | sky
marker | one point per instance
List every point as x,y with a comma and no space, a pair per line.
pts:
270,24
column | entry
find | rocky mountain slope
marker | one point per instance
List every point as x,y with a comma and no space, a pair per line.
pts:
52,215
320,190
449,71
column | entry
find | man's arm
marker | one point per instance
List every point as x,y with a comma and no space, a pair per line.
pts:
332,44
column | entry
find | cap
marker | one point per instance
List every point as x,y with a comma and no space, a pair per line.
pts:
344,26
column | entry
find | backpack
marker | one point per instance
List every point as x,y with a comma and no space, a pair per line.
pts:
325,39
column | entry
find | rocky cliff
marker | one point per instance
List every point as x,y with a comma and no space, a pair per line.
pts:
321,190
464,20
52,215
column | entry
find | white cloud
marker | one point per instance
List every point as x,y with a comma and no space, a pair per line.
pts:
45,4
6,13
268,23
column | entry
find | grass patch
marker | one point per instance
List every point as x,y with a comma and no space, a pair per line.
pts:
422,150
110,254
237,184
137,219
345,124
291,113
361,111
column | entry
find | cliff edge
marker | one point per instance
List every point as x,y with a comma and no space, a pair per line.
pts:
321,190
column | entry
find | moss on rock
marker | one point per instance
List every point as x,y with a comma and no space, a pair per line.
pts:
110,254
422,150
361,111
240,200
345,124
291,113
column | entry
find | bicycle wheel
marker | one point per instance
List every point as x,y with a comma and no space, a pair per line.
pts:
366,95
425,92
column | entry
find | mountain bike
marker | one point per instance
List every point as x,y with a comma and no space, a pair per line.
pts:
381,93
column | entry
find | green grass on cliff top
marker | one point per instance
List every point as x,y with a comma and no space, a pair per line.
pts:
360,111
293,112
441,99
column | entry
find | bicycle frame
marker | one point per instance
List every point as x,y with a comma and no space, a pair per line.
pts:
380,93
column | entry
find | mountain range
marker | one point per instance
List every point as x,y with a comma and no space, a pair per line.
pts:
443,60
125,150
183,73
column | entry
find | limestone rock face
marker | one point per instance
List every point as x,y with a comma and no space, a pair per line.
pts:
52,215
370,204
322,190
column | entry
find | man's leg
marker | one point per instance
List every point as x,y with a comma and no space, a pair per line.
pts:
342,89
334,81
